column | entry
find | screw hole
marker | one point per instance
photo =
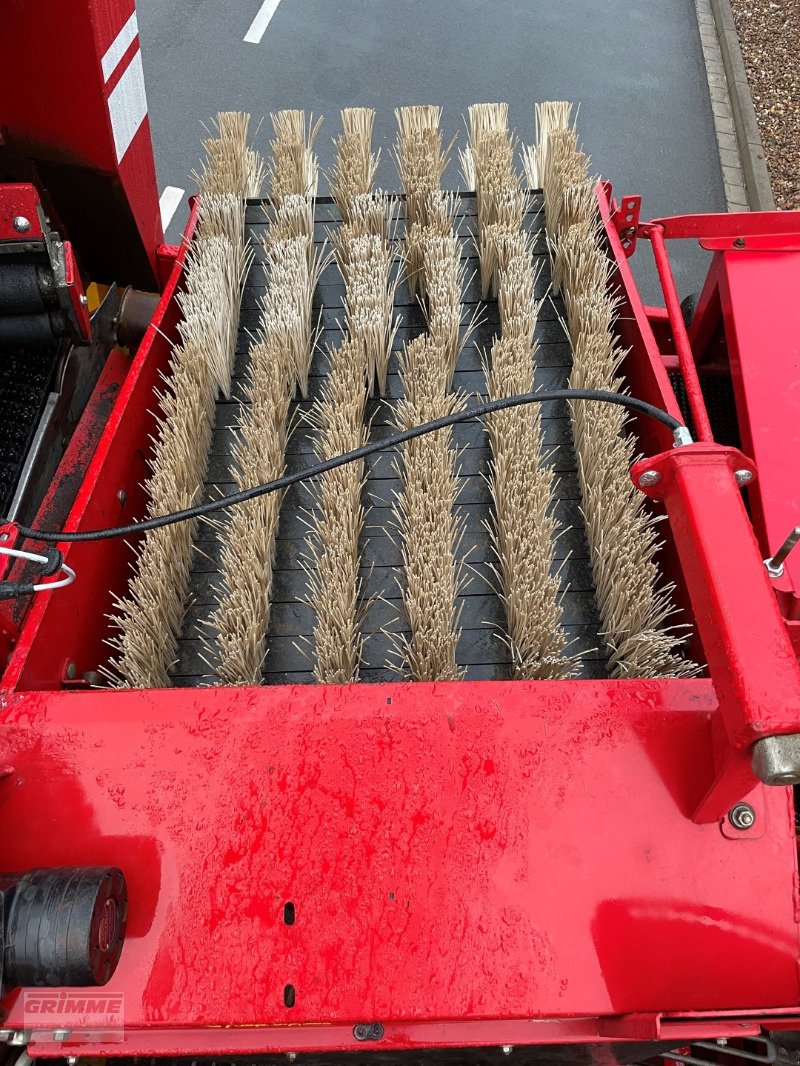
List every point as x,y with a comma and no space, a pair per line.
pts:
631,205
629,218
288,996
288,913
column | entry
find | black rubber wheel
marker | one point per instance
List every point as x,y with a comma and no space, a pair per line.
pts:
65,927
689,306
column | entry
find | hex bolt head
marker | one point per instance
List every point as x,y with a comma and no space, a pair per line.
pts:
84,299
648,478
740,242
743,477
742,816
21,224
507,1049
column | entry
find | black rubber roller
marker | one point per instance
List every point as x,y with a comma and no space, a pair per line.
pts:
32,331
65,927
25,288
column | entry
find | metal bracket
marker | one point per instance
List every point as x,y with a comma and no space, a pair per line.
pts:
625,220
755,242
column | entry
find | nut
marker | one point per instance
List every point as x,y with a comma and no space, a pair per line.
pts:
742,816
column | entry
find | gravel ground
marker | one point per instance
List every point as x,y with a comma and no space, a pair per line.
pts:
769,31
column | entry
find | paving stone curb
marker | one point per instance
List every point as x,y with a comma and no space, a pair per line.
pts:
748,138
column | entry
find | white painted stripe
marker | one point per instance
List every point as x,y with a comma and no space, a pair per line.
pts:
261,21
119,46
127,105
170,198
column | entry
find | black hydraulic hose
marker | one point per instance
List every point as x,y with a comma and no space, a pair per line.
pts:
479,410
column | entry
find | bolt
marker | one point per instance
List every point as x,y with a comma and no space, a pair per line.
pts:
739,242
743,477
648,478
506,1049
60,1035
84,299
290,1055
742,816
723,1041
122,496
21,224
71,671
72,1060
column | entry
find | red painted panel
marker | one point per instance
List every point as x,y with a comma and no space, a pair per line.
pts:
463,851
759,294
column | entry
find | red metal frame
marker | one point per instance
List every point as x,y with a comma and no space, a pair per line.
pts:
749,301
470,863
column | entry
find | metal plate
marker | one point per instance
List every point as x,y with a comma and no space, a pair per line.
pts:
497,850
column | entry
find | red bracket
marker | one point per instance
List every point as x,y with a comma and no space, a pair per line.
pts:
625,220
750,657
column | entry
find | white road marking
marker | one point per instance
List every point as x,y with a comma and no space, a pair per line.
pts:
169,201
261,21
127,105
119,46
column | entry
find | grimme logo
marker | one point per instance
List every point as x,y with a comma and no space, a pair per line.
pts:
90,1015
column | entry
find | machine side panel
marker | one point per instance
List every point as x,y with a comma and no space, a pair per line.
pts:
463,851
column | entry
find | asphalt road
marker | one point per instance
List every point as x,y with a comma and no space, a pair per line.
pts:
635,68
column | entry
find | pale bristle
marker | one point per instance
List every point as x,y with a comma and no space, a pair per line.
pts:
522,528
356,165
564,165
294,217
549,115
467,159
230,167
148,618
287,304
430,532
501,204
369,214
211,300
516,298
635,607
364,255
335,587
293,169
421,158
436,211
369,299
445,276
579,205
236,640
